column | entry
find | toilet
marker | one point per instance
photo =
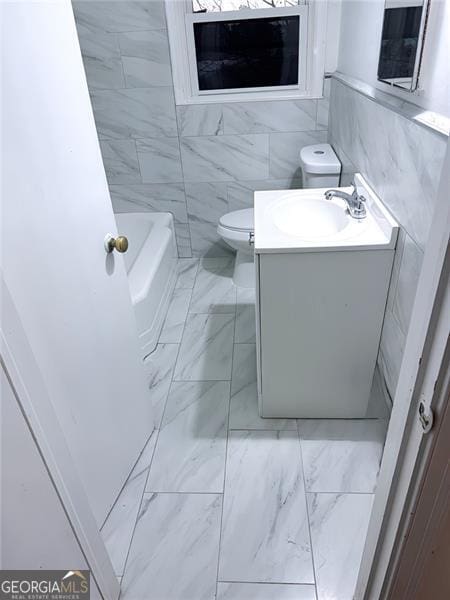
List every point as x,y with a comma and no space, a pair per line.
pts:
236,228
320,168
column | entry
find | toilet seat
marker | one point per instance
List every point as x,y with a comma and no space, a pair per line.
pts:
236,238
238,220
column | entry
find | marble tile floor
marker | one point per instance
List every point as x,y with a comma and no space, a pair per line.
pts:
224,505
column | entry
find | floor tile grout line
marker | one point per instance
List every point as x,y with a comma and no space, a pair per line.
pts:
223,493
158,429
126,481
226,452
148,439
173,371
268,429
235,321
208,314
277,583
341,493
199,268
198,271
144,491
307,512
137,514
201,380
160,493
181,338
167,394
184,322
212,313
199,265
182,287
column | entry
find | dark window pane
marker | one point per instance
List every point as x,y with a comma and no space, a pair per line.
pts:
247,53
399,42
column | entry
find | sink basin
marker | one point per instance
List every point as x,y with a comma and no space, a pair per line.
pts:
309,219
303,220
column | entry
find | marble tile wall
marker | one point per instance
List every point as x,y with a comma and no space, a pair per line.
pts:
402,161
198,161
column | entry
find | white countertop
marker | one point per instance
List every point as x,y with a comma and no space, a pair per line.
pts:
377,231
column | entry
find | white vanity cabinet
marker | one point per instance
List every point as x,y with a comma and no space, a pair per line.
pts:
319,318
320,308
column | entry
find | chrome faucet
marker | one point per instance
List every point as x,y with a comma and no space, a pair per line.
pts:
355,202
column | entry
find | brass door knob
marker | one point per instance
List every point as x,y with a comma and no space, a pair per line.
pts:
120,243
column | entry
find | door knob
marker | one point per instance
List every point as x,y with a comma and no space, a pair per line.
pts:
120,243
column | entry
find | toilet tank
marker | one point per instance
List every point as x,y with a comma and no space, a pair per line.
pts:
320,181
320,166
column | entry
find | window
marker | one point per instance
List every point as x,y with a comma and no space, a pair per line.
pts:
247,53
238,50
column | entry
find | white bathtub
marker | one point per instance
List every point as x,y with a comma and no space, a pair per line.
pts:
151,264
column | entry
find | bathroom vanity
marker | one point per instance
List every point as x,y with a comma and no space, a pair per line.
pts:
322,280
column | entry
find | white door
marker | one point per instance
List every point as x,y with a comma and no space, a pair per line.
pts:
72,298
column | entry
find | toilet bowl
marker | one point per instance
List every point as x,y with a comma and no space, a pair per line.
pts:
320,168
236,229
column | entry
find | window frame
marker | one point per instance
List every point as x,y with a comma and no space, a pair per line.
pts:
312,38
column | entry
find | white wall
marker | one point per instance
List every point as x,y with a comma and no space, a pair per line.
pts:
333,35
361,25
436,59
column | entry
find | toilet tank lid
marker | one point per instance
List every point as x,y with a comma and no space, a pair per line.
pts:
320,159
239,220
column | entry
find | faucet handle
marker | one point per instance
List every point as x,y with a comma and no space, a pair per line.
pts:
356,195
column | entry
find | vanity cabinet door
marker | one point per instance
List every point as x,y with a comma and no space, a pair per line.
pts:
320,316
